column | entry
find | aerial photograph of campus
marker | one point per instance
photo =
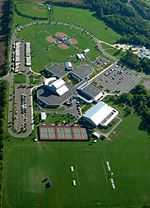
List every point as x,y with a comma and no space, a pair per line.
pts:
75,104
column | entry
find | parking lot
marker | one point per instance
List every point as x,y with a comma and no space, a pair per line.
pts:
118,79
23,110
101,61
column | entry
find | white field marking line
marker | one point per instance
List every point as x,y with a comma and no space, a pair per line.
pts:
108,165
111,175
76,174
103,165
105,172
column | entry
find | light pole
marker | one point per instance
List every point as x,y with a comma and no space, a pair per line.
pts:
50,12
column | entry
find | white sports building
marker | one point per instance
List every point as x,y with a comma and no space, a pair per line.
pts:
100,114
58,86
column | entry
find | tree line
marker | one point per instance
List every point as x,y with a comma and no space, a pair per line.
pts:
3,122
134,62
139,101
6,9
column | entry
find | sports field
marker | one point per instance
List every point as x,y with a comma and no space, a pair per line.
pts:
78,21
27,163
44,53
25,14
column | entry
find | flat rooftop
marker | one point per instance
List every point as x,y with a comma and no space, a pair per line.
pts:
82,71
45,96
57,70
50,99
62,133
91,90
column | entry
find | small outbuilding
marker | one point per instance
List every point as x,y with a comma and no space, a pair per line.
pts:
86,51
43,116
68,66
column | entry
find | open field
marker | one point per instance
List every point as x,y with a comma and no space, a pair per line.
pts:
44,53
27,163
20,79
112,51
25,14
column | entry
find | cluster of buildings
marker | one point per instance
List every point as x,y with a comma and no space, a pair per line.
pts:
56,92
21,56
66,83
141,52
82,56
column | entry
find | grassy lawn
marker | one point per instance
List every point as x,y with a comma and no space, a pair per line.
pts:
20,79
56,118
26,163
87,20
113,51
44,53
82,17
35,79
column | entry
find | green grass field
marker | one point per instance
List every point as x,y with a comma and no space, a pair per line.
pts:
44,53
20,79
26,163
82,17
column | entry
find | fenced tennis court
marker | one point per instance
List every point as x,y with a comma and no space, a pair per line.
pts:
64,133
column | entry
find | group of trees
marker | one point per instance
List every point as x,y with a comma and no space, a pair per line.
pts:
3,100
5,34
134,62
139,101
129,18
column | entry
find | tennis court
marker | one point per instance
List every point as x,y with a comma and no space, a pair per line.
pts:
68,133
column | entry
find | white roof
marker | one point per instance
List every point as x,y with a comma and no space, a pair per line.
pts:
18,44
86,50
82,56
28,61
68,64
62,90
47,81
96,134
28,50
79,56
101,114
43,116
28,44
58,83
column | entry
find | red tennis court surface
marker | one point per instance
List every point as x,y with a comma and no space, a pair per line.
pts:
62,133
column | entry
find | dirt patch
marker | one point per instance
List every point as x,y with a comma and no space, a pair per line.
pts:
62,40
60,35
63,46
50,39
73,41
